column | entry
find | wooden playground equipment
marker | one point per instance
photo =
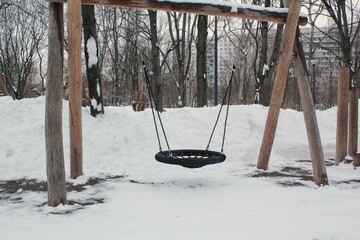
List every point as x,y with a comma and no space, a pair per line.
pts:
3,85
290,48
347,120
138,104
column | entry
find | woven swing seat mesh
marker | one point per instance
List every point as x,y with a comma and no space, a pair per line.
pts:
190,158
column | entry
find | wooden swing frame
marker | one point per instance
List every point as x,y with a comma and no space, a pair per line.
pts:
290,16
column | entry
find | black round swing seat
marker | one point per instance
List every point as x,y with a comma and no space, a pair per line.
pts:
190,158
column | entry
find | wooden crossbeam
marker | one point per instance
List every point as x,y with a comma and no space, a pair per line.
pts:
210,7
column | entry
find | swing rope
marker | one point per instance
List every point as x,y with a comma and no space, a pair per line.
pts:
189,158
152,103
228,95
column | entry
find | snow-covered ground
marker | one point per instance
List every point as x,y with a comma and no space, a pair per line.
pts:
139,198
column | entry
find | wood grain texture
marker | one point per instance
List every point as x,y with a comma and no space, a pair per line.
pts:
75,87
56,182
353,123
286,53
247,11
311,124
342,115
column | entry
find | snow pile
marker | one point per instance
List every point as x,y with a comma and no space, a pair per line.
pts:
143,199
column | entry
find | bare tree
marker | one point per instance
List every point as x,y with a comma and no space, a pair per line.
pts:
177,29
155,60
346,19
92,60
201,60
110,27
264,66
240,36
4,4
21,40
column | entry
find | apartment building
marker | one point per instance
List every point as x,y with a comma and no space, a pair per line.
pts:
321,49
226,59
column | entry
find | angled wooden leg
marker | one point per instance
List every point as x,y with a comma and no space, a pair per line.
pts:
286,51
312,129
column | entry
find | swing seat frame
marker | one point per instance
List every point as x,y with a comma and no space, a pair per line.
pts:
190,158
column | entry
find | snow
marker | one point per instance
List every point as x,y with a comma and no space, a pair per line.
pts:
265,69
91,48
98,89
235,6
234,9
156,201
95,104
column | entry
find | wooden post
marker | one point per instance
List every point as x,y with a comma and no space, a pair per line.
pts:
353,123
75,87
312,129
3,84
55,166
353,127
342,114
286,52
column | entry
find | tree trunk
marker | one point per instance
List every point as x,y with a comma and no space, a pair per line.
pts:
264,93
267,80
116,91
155,59
181,62
92,60
201,61
178,38
55,166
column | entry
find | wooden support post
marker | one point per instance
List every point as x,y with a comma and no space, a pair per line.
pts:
55,166
3,84
312,129
75,87
353,124
286,52
342,114
354,127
